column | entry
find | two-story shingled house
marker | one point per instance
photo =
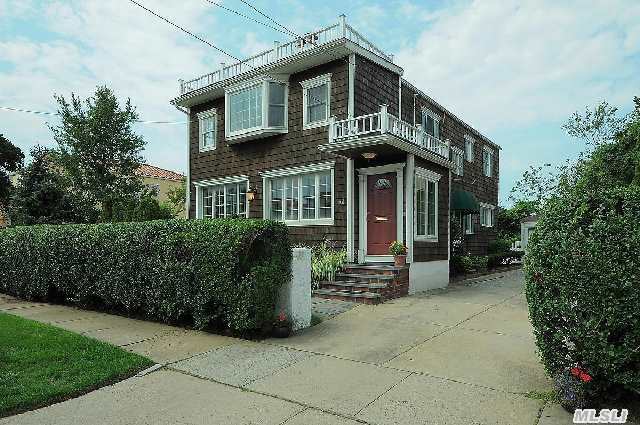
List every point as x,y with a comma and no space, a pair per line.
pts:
324,134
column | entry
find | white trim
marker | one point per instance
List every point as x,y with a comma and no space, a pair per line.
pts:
400,97
428,174
198,202
303,169
378,258
350,210
486,149
409,220
221,180
362,219
432,177
188,177
458,165
449,222
352,85
210,113
309,84
430,112
491,208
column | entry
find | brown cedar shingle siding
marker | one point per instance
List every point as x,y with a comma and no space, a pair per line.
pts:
484,188
296,148
374,86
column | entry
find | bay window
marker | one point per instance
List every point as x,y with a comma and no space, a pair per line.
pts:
222,200
300,196
426,204
256,109
316,95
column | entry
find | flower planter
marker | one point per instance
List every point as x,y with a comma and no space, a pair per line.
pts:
400,260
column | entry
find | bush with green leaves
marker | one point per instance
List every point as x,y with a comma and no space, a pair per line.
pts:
206,272
326,261
582,273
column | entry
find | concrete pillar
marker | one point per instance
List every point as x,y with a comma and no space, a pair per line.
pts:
295,295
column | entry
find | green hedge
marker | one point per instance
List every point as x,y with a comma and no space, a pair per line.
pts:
223,272
582,273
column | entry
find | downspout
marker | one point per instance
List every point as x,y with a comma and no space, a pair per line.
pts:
187,205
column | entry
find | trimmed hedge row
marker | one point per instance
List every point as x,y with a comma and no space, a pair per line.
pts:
223,272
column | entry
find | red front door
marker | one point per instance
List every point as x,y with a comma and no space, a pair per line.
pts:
381,213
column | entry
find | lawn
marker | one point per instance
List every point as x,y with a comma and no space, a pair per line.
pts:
42,364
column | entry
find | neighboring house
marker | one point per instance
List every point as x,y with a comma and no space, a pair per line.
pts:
527,227
159,180
324,134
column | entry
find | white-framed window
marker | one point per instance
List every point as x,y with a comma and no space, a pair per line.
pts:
300,196
426,205
254,109
223,199
487,161
458,160
431,122
487,215
207,127
316,101
467,224
469,143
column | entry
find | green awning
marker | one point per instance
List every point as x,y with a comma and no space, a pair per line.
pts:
464,202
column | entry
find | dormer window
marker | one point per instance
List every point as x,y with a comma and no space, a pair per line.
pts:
431,123
256,109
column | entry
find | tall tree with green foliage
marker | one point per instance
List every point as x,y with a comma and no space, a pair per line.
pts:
177,197
42,197
97,147
11,158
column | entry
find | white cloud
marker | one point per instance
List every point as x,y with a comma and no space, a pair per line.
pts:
513,63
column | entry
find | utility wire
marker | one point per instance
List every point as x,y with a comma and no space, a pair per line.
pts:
247,17
31,111
270,18
185,31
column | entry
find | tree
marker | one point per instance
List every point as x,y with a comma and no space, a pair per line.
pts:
143,207
11,158
97,147
43,196
508,219
177,197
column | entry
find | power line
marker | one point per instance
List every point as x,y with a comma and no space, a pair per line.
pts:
246,17
31,111
185,30
270,18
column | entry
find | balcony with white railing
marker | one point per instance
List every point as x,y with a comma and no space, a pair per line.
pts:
310,41
380,123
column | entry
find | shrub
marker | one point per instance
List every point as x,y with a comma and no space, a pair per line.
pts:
225,271
326,261
499,246
397,248
468,263
582,273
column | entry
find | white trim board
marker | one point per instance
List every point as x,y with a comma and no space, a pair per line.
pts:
312,168
221,180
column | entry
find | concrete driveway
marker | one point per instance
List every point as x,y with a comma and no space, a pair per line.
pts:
464,355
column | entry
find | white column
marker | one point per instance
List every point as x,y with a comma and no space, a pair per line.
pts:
384,119
400,204
362,218
409,216
350,211
342,22
187,201
352,84
198,202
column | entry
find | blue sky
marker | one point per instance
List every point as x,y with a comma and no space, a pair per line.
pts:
513,70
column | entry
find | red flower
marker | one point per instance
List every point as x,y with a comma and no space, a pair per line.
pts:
581,374
282,317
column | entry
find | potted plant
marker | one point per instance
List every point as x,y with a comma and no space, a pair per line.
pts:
281,326
399,252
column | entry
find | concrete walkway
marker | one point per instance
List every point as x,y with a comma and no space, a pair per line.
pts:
459,356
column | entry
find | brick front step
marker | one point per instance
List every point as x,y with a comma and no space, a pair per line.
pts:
378,269
356,296
354,286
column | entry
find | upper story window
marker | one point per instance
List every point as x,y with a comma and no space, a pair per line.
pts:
431,122
301,195
487,215
426,201
256,109
207,129
469,143
458,160
487,161
316,100
224,197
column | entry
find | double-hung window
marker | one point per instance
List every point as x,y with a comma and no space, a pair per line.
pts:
207,130
458,160
469,144
256,109
431,123
467,224
316,100
487,161
426,205
223,199
487,215
301,195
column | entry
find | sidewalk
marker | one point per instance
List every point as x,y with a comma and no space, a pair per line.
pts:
459,356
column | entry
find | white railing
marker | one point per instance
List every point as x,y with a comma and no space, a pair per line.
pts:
383,122
338,31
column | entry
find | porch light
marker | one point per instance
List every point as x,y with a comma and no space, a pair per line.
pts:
251,194
369,155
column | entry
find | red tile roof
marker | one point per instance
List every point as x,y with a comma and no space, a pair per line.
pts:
146,170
